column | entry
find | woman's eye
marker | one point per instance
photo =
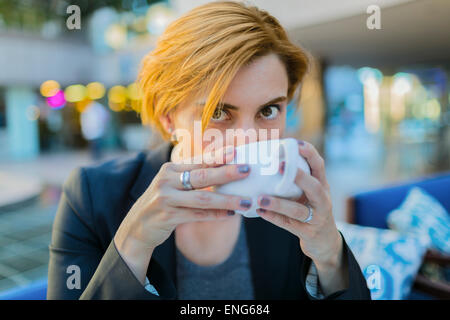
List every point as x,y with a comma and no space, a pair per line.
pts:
219,115
270,112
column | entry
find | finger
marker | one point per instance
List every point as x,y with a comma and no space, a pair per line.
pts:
313,189
209,159
185,215
303,199
208,200
286,207
315,161
206,177
282,221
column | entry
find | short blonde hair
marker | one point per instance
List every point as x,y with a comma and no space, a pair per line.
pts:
202,51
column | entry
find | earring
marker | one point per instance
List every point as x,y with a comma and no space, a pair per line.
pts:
173,136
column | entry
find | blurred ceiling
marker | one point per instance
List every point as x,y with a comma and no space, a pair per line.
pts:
301,13
416,32
413,31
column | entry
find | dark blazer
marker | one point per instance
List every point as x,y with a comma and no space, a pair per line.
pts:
96,199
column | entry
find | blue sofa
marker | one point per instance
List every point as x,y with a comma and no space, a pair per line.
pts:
35,291
371,208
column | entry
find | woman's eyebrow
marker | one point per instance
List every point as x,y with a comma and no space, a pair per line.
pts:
230,106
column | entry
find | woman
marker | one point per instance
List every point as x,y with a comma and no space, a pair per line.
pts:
150,228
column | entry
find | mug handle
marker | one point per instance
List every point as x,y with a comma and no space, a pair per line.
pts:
286,187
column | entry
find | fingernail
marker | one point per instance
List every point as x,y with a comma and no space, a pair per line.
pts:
265,201
243,168
282,165
245,203
301,142
260,210
230,212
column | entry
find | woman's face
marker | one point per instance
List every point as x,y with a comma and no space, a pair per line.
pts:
254,108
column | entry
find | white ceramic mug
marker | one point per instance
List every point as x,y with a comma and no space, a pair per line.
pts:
264,158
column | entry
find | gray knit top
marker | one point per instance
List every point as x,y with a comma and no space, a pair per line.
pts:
230,279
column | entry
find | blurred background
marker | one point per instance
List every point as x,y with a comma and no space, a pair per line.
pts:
375,103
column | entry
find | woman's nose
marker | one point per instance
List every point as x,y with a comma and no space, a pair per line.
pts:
243,134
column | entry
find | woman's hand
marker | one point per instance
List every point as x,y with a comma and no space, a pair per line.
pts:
165,204
319,238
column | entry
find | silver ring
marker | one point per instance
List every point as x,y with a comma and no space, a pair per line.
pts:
310,214
185,178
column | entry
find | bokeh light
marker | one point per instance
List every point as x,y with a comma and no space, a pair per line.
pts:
371,79
116,36
32,113
139,24
133,91
117,97
433,109
75,93
95,90
134,94
57,101
158,16
366,74
49,88
402,83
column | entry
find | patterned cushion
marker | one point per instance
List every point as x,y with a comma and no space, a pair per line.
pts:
422,215
388,260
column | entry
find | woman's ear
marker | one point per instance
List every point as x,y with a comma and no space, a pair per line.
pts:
167,123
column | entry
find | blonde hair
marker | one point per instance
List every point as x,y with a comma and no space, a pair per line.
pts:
201,52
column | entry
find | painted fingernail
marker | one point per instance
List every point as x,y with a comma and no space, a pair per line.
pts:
282,165
230,212
243,168
245,203
301,142
260,210
265,201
